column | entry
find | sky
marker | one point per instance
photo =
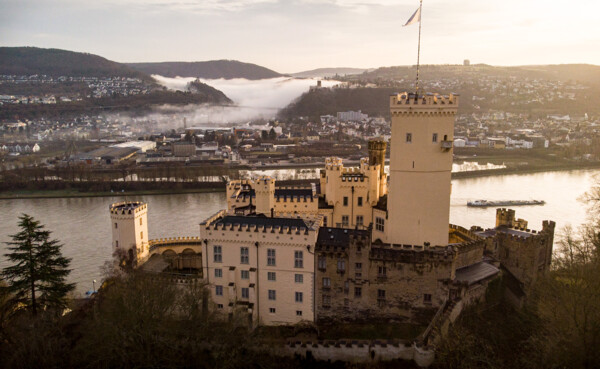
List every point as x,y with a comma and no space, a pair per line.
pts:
296,35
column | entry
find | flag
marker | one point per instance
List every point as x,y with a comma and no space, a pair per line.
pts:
416,17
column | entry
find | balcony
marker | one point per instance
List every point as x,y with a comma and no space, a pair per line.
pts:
446,145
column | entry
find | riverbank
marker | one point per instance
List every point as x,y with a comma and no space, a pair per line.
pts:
529,169
205,187
75,189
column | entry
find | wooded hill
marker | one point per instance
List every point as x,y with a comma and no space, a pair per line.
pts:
56,62
534,90
213,69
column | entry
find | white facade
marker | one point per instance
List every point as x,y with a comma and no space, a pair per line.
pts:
261,266
129,223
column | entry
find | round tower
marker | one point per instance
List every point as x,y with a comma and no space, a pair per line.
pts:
264,188
130,231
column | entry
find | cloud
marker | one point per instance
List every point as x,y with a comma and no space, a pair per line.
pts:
265,94
200,6
253,99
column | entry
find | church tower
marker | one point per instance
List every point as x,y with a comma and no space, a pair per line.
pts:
420,168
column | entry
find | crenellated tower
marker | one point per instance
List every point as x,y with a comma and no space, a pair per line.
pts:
377,157
130,231
420,168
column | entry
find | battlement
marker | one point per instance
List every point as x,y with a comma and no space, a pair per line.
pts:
173,241
465,233
411,253
333,163
362,351
377,145
127,207
243,227
428,100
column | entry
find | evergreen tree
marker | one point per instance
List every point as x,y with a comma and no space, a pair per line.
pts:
37,276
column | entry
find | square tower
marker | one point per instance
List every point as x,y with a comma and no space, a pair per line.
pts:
420,168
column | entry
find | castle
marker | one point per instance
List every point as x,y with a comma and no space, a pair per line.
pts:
357,245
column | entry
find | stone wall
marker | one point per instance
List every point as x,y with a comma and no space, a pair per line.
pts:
381,281
363,351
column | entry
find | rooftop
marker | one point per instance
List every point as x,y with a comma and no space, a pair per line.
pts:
476,272
261,221
338,236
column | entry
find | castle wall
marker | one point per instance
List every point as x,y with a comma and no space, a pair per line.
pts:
526,257
381,282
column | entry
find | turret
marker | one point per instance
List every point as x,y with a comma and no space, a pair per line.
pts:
264,187
130,231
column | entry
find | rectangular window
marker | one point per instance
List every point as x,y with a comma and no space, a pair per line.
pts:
219,290
341,265
382,271
142,235
140,221
298,278
299,297
218,254
345,221
298,259
427,298
271,276
409,137
359,201
434,138
271,257
117,243
298,312
244,255
219,306
326,300
322,263
272,310
381,294
272,295
345,200
245,293
358,266
357,291
324,221
218,273
116,225
326,282
346,287
245,274
379,224
359,220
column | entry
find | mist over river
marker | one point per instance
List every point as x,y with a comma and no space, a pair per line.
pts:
83,224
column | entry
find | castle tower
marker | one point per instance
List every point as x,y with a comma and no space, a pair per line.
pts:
420,168
130,230
264,187
377,157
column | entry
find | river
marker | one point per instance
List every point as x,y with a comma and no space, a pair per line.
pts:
83,224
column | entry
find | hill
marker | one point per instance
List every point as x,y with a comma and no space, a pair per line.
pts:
213,69
328,72
56,62
535,90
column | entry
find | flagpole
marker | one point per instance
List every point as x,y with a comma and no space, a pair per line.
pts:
419,48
